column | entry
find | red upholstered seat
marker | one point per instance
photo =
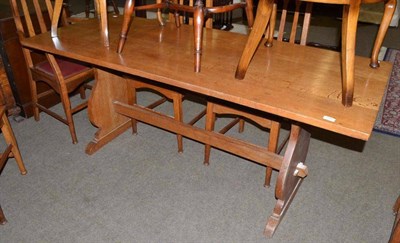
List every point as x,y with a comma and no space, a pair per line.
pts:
67,68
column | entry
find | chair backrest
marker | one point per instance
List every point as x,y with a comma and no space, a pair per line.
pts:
300,11
33,17
221,18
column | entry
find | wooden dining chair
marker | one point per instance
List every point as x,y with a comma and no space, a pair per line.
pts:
200,10
215,109
351,11
65,77
11,150
7,105
389,8
395,235
88,4
167,94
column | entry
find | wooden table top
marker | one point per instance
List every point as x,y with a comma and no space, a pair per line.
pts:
296,82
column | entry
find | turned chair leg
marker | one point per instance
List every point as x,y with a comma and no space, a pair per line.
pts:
166,94
198,23
9,137
390,7
12,150
3,219
34,94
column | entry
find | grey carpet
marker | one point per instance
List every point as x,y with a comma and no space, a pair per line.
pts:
139,189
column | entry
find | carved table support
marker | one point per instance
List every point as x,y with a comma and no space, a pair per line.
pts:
110,110
108,87
290,176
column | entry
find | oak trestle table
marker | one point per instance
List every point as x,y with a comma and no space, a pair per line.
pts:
299,83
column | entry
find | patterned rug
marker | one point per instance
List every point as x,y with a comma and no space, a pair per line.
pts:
388,120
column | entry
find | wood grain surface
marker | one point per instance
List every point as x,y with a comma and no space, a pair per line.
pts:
296,82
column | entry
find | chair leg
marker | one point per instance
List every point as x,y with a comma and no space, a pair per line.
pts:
179,117
10,139
272,147
133,101
3,219
166,95
210,122
241,125
264,11
271,26
128,11
159,15
249,13
87,8
115,6
36,114
68,114
82,92
390,7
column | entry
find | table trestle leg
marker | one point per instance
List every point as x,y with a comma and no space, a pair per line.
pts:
108,86
290,176
291,166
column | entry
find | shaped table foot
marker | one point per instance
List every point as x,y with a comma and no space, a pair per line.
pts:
290,176
107,88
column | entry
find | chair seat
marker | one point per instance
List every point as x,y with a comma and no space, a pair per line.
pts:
68,69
